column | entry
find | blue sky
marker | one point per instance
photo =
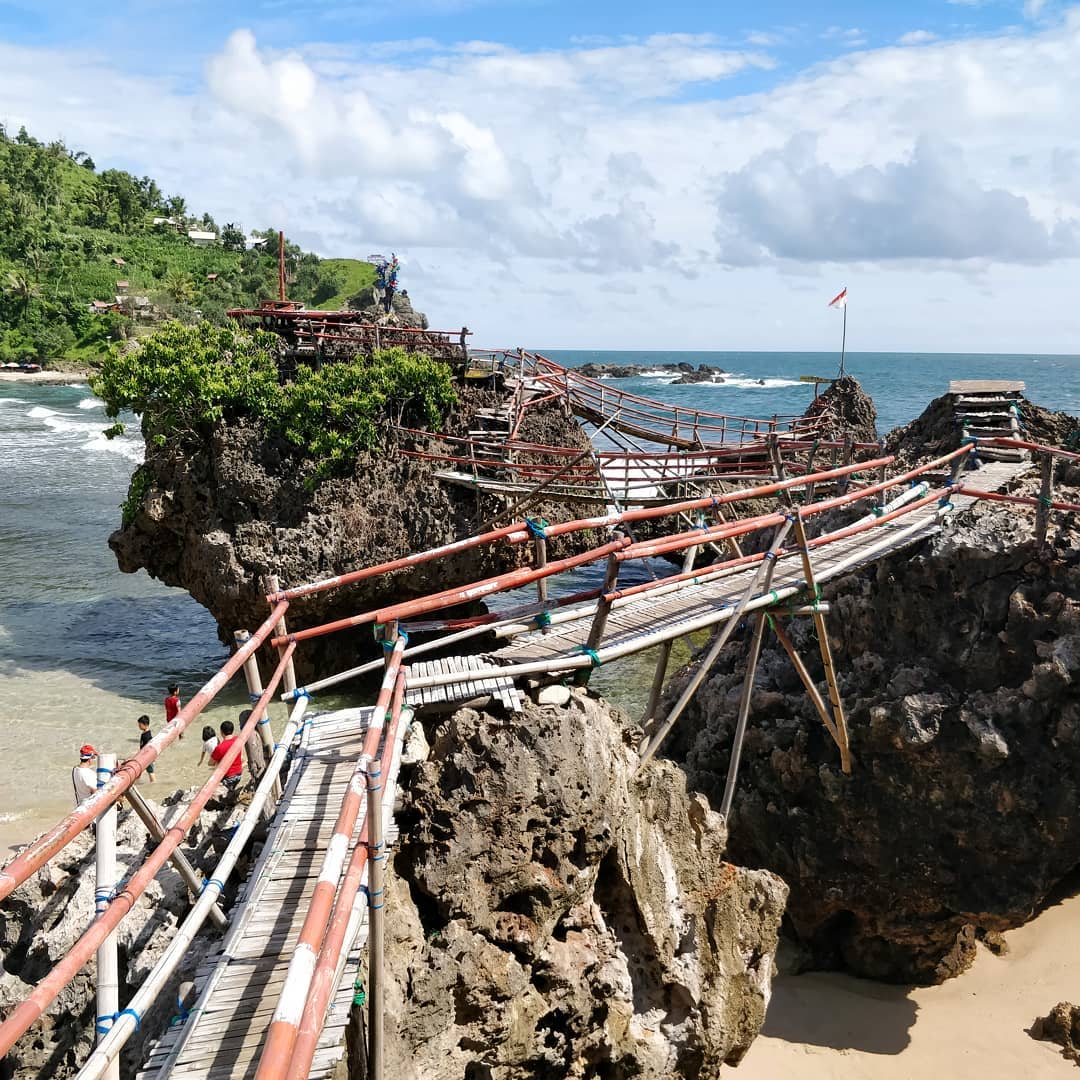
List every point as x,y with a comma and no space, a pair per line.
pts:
611,175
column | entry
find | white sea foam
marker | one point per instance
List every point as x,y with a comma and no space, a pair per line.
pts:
127,447
91,403
39,412
63,425
744,382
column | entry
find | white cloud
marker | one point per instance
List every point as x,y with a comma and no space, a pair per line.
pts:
1033,8
624,163
916,37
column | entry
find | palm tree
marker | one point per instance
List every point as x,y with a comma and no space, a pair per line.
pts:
20,287
180,287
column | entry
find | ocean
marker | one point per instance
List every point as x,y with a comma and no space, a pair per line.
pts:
85,649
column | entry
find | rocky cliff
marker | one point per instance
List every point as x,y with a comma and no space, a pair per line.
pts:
552,915
217,521
959,668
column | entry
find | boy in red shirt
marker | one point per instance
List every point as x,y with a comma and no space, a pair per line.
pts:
172,703
232,777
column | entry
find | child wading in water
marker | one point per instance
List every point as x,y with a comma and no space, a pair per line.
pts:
172,703
209,743
144,737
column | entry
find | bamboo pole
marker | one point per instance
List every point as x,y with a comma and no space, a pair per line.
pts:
540,561
603,609
281,632
108,968
37,854
255,691
744,713
759,583
376,931
170,960
177,858
826,649
811,689
1046,493
664,655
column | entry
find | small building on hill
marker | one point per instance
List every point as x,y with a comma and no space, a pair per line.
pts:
99,307
198,236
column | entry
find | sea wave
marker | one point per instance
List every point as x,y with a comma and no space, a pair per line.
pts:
39,412
132,449
64,425
91,403
743,382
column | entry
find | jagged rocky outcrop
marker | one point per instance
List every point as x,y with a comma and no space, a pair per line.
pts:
554,916
843,411
43,918
959,668
1061,1026
217,521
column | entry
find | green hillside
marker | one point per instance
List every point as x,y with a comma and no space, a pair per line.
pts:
354,276
70,235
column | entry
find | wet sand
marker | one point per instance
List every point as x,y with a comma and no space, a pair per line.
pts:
44,378
835,1027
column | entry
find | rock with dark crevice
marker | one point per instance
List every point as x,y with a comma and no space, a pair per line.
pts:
553,916
844,411
1061,1026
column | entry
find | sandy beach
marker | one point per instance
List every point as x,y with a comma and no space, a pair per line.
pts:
834,1027
44,378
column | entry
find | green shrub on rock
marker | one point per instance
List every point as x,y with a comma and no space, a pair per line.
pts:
185,379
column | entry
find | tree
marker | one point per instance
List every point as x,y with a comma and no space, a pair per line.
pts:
180,287
232,237
177,206
21,289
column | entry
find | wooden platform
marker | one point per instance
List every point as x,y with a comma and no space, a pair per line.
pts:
503,690
986,386
238,985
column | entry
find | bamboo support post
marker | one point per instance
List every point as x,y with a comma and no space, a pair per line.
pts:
759,584
376,897
811,487
845,459
255,691
744,713
807,681
108,973
178,858
540,561
664,656
826,649
1046,492
603,610
289,681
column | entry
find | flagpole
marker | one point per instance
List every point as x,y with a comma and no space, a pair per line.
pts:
843,340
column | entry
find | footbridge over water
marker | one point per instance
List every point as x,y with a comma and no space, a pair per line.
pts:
281,994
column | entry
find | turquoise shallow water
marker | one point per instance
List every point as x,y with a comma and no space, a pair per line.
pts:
84,649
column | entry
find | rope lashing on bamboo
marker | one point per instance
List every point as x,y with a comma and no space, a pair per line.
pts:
592,654
536,528
103,1029
945,503
389,645
542,619
359,998
302,692
207,882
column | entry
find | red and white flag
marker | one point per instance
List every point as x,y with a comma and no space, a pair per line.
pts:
840,299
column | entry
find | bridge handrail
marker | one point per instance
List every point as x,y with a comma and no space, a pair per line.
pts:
36,854
31,1008
1020,444
126,1024
520,532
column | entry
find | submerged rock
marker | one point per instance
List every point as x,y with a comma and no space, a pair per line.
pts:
959,670
555,916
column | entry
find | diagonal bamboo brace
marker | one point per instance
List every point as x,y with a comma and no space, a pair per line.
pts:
800,668
826,650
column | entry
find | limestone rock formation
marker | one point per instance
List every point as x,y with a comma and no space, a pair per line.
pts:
959,667
216,522
1062,1026
43,918
553,916
844,410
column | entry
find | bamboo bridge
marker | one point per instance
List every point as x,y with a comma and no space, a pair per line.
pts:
759,525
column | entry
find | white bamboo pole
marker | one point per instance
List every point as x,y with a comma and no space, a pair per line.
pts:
376,897
108,972
289,679
255,691
108,1050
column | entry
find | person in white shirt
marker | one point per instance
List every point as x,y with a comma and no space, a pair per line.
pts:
83,775
209,743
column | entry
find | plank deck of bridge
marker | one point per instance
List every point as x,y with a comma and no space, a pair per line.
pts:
223,1036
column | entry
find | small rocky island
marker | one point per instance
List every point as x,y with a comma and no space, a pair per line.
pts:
683,373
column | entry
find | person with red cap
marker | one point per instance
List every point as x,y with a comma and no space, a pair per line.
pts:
83,777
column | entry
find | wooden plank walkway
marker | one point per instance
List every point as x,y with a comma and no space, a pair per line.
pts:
503,690
651,619
237,986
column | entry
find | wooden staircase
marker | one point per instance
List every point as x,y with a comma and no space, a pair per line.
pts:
990,408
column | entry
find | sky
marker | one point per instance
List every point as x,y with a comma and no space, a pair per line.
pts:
611,175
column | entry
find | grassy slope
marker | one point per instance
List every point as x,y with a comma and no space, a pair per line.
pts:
356,275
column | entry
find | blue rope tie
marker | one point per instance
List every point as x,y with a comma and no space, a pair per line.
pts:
543,618
945,503
389,645
264,720
536,528
253,697
103,1029
877,511
592,654
212,881
130,1012
302,692
770,555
